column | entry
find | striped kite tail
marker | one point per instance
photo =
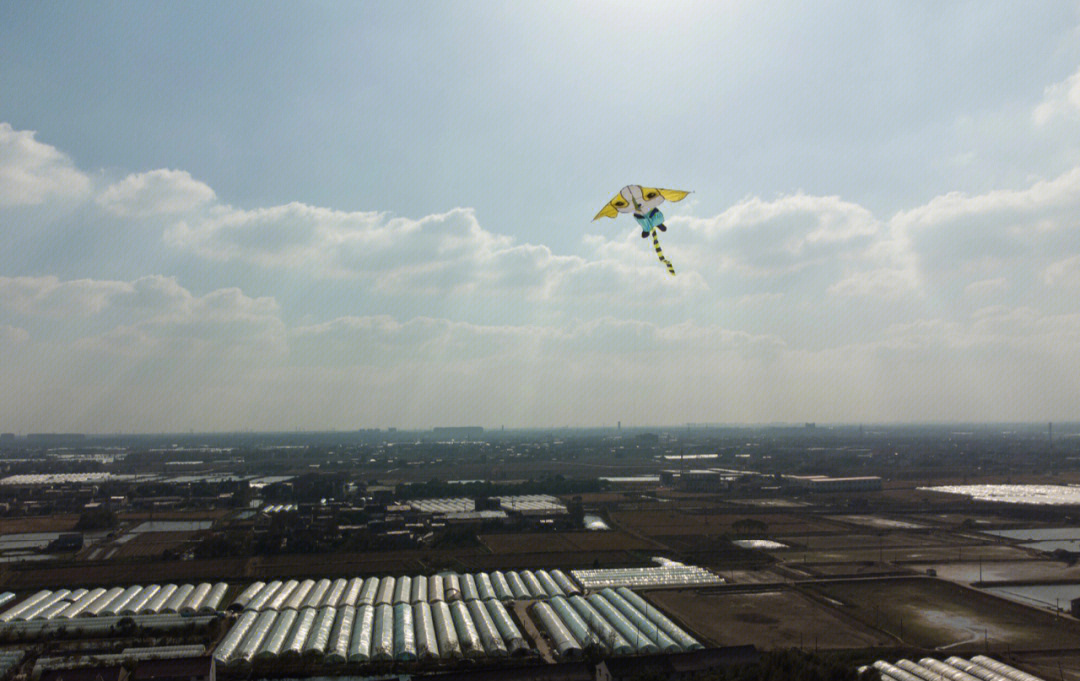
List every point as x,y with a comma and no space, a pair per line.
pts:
660,254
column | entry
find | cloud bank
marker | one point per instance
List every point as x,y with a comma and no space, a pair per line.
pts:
791,307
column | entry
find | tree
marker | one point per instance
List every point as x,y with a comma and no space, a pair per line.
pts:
749,526
96,519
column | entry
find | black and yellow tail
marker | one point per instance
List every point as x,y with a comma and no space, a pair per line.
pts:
660,254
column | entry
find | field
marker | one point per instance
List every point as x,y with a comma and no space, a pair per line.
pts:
864,540
152,544
143,568
1045,571
509,543
185,515
933,613
769,619
668,523
908,554
27,576
52,523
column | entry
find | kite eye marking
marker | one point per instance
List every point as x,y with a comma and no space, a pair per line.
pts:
618,204
650,195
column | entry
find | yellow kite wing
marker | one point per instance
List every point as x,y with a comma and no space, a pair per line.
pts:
673,194
609,211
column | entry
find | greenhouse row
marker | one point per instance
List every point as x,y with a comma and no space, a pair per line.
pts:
504,586
44,664
417,632
101,602
616,622
103,626
978,668
9,659
664,575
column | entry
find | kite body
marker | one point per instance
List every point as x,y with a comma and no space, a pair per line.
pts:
650,221
642,203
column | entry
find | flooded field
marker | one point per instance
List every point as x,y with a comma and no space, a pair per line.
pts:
29,542
1038,533
172,526
1042,495
595,523
1071,545
1040,595
879,522
934,613
906,554
758,544
770,619
1004,571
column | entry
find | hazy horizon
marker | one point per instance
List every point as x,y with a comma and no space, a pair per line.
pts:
1060,429
229,217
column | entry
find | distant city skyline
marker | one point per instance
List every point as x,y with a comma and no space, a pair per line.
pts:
337,216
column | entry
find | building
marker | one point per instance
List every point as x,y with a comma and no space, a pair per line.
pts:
458,432
200,668
100,673
676,666
67,541
823,483
566,671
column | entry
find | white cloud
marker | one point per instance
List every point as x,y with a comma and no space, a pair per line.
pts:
48,296
793,232
384,341
1013,233
32,172
985,287
437,255
12,335
151,313
1060,100
1064,273
155,192
883,284
149,296
1062,192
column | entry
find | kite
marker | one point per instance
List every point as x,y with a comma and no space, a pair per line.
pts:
642,203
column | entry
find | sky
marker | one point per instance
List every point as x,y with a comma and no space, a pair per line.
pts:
330,215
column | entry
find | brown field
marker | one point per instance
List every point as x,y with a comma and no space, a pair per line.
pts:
598,498
673,523
53,523
861,540
151,568
1035,571
568,561
420,561
849,569
609,541
935,613
770,619
121,573
911,554
768,503
712,551
563,542
206,514
152,544
526,543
